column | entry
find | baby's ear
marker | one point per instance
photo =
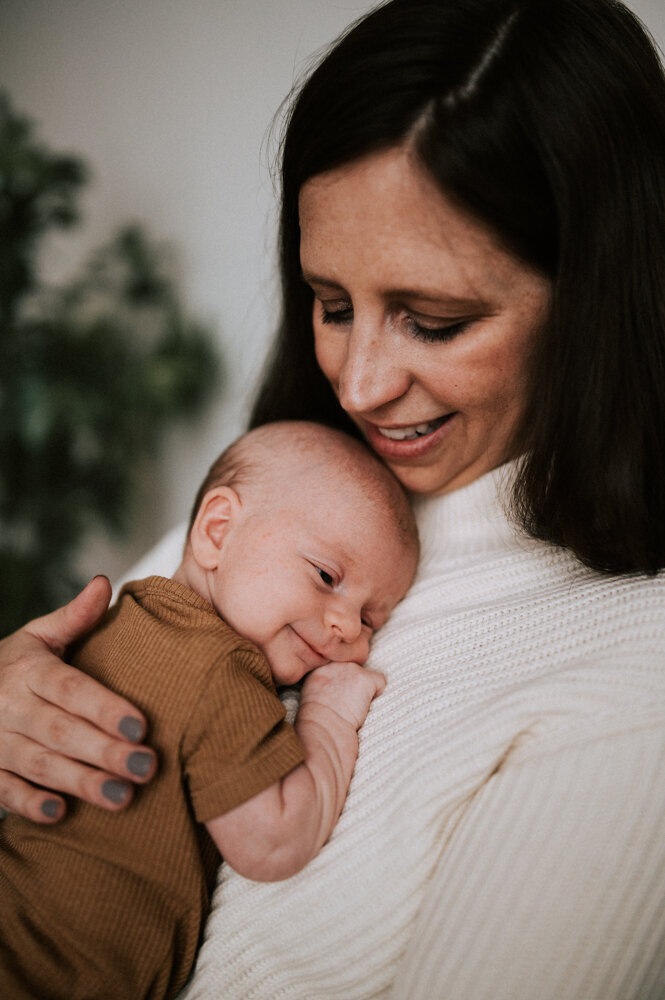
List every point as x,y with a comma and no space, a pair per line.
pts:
215,519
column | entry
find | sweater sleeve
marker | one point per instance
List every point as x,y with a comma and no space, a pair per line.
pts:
552,883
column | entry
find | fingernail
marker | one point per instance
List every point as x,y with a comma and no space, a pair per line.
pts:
51,808
139,763
115,791
131,728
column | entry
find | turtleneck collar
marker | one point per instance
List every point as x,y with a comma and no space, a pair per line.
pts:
470,520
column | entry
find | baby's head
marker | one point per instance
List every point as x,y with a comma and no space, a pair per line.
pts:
303,542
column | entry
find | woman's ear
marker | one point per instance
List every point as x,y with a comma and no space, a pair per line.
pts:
216,517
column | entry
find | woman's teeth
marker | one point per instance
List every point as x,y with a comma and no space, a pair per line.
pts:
411,433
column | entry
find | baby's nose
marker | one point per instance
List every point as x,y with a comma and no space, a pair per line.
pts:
350,641
344,621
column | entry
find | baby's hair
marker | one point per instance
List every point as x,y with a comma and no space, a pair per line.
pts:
232,468
252,456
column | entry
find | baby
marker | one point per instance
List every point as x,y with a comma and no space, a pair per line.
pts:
301,544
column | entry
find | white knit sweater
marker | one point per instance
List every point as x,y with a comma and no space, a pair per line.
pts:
504,834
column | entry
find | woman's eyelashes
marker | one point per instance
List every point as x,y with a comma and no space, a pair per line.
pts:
434,334
336,315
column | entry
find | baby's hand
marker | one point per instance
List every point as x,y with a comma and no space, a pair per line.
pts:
346,688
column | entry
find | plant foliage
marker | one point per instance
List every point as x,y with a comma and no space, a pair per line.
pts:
90,376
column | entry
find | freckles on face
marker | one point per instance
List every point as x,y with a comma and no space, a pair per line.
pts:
423,324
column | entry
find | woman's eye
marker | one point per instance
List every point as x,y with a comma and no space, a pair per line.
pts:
325,576
338,315
436,334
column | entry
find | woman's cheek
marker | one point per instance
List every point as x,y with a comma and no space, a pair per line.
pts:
327,357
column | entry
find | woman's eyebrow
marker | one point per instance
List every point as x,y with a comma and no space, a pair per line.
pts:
460,303
314,279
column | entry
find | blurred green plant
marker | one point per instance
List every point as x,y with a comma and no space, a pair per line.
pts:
91,374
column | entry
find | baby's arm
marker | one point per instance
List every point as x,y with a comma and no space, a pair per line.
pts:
274,834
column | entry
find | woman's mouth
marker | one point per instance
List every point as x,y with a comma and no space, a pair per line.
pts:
408,441
413,432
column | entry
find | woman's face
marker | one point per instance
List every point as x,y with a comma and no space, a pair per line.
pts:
422,323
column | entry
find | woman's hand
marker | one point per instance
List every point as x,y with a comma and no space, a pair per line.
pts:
59,728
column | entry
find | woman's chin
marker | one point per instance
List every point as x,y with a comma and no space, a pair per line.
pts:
428,463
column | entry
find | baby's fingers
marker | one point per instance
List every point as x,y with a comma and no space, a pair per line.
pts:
346,687
377,679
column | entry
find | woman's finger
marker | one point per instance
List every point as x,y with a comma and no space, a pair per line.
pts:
71,777
50,733
68,623
36,804
28,665
74,692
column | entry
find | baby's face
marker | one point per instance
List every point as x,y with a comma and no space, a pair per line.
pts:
310,578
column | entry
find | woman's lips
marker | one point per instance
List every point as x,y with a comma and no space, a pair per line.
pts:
408,440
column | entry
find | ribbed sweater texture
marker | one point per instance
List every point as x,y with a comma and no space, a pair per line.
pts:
504,834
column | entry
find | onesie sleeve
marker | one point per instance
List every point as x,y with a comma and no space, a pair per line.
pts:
237,742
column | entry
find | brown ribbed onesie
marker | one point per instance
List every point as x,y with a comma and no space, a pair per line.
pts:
105,906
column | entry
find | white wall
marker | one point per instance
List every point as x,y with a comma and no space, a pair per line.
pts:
170,102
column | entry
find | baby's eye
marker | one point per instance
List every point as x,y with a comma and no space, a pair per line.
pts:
325,576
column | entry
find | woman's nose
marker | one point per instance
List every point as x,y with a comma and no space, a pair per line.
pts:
371,374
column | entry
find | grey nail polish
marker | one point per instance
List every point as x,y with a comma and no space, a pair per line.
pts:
115,791
51,808
139,763
131,728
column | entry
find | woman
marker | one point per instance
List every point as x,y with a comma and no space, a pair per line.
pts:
472,249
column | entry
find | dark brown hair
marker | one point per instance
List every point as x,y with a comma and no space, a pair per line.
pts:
545,121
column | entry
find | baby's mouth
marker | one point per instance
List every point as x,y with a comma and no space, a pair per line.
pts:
414,431
321,656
